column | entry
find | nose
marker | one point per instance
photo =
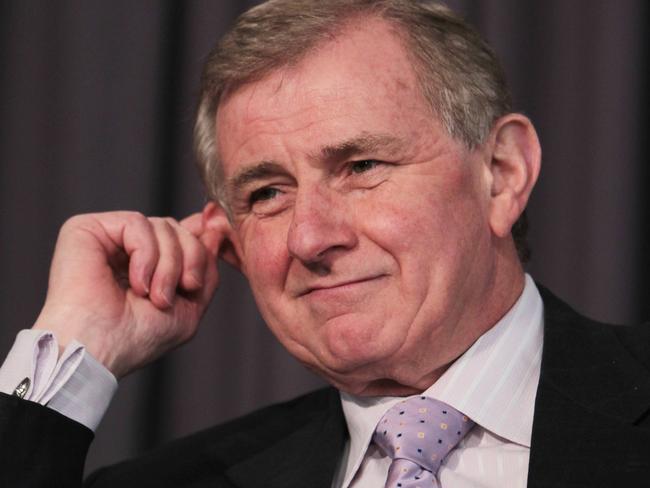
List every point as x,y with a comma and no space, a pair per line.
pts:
321,225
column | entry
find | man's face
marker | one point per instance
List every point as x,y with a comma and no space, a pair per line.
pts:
360,224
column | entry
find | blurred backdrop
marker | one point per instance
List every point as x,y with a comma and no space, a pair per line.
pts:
96,111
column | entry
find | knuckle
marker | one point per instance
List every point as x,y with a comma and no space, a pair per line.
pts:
71,221
77,223
76,220
162,224
170,221
155,220
135,217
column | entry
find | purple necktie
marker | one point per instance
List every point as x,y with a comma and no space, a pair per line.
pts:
417,434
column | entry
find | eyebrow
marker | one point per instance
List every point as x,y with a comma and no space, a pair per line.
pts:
258,171
364,143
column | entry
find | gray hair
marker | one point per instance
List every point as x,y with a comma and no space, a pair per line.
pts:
459,74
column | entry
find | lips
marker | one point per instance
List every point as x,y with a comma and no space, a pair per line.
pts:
341,285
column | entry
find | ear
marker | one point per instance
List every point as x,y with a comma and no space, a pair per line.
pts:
515,161
218,229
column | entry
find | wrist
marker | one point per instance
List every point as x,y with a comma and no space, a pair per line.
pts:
69,324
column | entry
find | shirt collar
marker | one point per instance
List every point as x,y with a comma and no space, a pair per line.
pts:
494,382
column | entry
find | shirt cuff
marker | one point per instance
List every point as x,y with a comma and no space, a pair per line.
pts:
75,385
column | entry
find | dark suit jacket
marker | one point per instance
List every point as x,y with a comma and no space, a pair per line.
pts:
591,428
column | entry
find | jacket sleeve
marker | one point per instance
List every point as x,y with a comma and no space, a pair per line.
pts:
39,447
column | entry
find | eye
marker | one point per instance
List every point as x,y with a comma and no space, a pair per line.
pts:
265,193
359,167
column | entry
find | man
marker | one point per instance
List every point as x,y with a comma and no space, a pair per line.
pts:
365,174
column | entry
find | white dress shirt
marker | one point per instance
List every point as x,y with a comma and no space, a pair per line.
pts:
494,383
75,384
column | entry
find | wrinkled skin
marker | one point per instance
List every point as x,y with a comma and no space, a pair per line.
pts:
378,247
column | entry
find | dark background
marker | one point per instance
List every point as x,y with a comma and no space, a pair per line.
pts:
96,111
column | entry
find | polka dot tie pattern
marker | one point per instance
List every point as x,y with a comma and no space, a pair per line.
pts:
417,434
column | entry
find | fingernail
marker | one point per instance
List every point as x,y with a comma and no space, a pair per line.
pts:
197,279
168,294
146,279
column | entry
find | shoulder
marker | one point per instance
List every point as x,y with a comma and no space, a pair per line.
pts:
593,393
209,453
566,330
601,367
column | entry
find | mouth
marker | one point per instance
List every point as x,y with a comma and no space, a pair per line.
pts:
339,286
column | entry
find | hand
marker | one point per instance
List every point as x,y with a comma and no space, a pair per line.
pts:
128,287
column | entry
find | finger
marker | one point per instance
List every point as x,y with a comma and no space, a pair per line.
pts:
170,264
194,260
211,281
133,233
217,228
193,223
212,240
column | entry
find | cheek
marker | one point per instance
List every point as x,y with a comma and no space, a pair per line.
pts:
397,227
401,224
425,222
264,255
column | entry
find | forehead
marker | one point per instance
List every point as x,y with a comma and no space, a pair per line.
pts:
361,81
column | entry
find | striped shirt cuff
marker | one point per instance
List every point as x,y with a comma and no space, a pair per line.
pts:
75,384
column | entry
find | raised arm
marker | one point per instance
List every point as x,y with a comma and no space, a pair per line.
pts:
127,287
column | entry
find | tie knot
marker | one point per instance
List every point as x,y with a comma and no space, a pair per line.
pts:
421,430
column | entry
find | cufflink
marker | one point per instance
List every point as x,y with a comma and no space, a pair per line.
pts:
21,389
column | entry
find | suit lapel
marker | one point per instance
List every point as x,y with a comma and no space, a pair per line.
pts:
590,425
308,456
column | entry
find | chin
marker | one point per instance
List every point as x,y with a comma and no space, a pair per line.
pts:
351,353
350,346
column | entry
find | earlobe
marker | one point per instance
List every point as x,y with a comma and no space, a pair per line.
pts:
218,234
514,167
